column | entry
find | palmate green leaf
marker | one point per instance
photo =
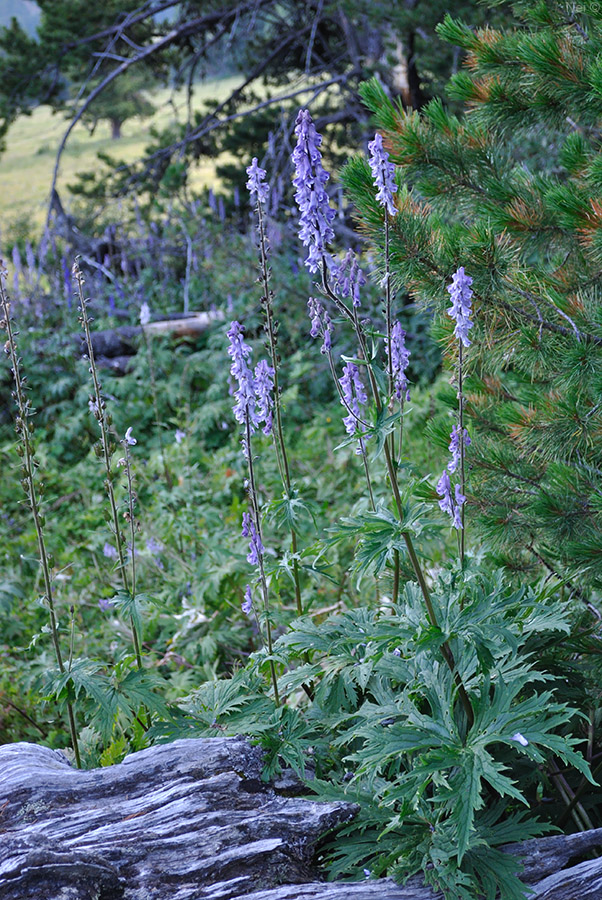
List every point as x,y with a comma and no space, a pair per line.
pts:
130,607
290,512
123,699
84,676
378,534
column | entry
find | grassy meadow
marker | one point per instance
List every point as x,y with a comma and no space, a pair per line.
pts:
26,166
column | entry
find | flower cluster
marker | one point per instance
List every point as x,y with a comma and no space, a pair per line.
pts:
460,309
254,394
315,223
256,547
247,604
451,503
457,441
348,278
353,397
256,185
399,357
320,324
383,173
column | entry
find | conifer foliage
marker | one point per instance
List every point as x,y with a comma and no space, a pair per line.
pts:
527,227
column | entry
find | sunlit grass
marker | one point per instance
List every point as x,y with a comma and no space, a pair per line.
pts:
27,165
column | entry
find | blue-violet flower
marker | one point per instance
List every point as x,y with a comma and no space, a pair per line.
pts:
247,604
256,185
249,530
460,309
320,323
263,383
455,447
315,222
353,397
348,278
383,173
400,358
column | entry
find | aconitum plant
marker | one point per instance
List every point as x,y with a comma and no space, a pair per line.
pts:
453,502
383,173
316,214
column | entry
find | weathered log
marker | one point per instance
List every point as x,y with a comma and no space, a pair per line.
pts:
118,343
193,820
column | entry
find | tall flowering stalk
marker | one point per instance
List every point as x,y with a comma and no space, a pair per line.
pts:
98,408
145,318
134,526
259,191
316,213
252,407
316,217
453,502
26,451
399,357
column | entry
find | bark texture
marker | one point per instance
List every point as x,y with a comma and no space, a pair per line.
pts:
192,820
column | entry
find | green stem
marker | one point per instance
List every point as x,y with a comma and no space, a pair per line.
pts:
151,369
24,429
101,416
132,523
262,578
271,332
445,648
461,426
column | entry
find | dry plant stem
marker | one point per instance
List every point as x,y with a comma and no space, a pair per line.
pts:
103,424
445,648
24,431
262,578
279,433
132,524
153,381
576,808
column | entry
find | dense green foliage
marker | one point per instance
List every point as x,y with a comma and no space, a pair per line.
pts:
448,686
530,241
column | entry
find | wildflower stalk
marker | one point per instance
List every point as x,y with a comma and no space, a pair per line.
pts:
392,473
25,430
279,431
131,520
359,421
153,385
263,580
462,443
100,413
315,232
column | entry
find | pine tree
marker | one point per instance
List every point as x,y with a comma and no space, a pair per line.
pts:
512,191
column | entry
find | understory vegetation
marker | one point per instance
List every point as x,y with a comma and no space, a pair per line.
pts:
358,517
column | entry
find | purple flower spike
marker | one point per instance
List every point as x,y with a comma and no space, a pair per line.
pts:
245,407
348,278
450,503
383,173
354,396
255,185
320,323
455,447
247,605
263,383
400,358
315,222
460,309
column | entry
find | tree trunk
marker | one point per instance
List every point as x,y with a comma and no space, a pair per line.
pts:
115,129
